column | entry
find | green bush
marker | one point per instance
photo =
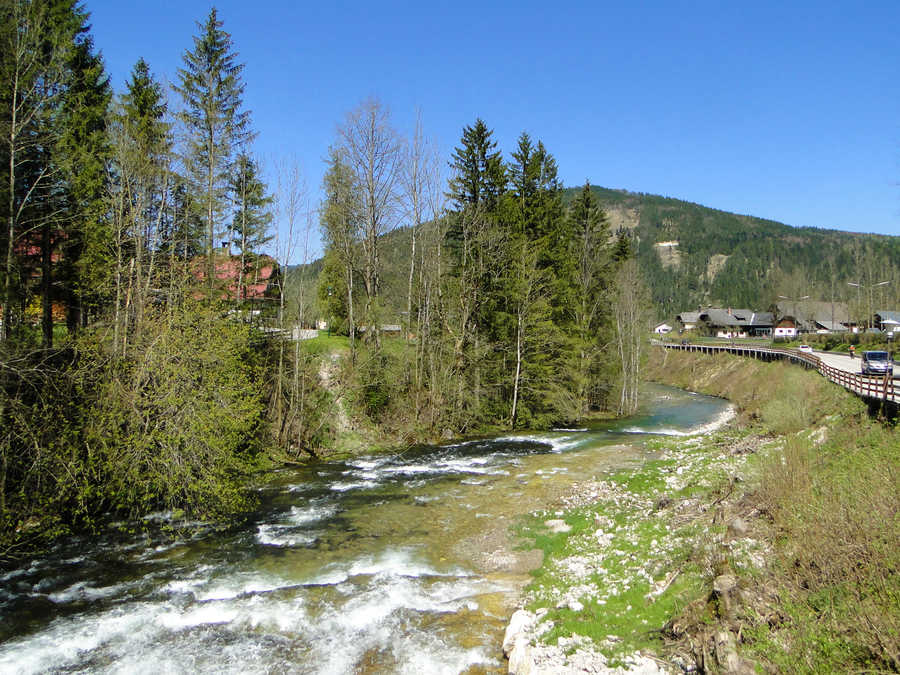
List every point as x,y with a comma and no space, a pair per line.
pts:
175,423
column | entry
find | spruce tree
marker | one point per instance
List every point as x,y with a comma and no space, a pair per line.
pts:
590,251
252,217
84,152
476,247
479,177
341,223
212,88
36,40
143,145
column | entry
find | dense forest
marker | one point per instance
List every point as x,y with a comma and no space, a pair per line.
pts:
729,260
144,359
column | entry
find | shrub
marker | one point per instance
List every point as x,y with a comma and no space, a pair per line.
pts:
177,423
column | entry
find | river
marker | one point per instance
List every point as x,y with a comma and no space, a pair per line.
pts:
400,563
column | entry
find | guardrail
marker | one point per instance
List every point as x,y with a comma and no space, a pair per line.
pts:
869,386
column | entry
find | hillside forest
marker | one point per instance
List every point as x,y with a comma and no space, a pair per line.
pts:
144,363
692,255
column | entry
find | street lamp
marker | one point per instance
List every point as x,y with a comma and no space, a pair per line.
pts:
870,287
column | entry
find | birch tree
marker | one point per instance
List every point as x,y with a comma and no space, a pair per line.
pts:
630,311
372,150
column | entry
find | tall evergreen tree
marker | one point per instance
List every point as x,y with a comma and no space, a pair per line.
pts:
252,216
141,193
475,244
479,177
34,59
535,294
212,87
84,152
590,250
342,217
54,99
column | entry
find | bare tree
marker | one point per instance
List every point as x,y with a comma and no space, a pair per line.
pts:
372,150
630,310
420,180
291,209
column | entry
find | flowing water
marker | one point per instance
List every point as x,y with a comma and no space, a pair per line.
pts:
385,563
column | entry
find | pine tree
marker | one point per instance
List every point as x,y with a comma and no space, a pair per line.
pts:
342,216
141,194
252,216
34,57
590,251
84,152
212,87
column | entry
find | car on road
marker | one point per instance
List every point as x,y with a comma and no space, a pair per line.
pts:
876,363
805,348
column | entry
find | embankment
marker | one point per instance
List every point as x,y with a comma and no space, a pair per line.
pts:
770,543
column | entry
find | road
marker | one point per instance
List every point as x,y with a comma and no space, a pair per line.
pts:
844,362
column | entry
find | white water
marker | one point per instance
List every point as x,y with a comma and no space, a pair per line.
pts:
366,566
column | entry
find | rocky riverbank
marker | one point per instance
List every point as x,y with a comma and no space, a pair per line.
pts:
625,553
769,545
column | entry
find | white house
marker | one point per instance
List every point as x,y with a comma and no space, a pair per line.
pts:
662,329
786,327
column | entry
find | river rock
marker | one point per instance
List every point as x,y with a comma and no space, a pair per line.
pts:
727,657
724,587
519,624
520,660
556,526
738,527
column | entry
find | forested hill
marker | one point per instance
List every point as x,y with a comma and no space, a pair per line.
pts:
693,255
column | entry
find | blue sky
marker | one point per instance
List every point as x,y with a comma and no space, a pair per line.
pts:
783,110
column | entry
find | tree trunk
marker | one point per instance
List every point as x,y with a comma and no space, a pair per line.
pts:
515,401
46,287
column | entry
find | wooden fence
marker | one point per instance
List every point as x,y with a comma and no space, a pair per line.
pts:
881,387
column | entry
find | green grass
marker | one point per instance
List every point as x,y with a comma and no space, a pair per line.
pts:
326,344
638,551
829,484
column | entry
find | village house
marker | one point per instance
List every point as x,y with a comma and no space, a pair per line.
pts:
787,326
260,275
816,316
687,321
736,323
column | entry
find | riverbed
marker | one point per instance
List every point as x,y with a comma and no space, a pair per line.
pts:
403,562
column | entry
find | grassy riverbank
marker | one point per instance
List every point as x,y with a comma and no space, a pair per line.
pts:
771,543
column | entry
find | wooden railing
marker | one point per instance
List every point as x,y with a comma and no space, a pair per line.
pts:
869,386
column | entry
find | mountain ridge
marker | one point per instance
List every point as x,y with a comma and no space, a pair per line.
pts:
693,255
